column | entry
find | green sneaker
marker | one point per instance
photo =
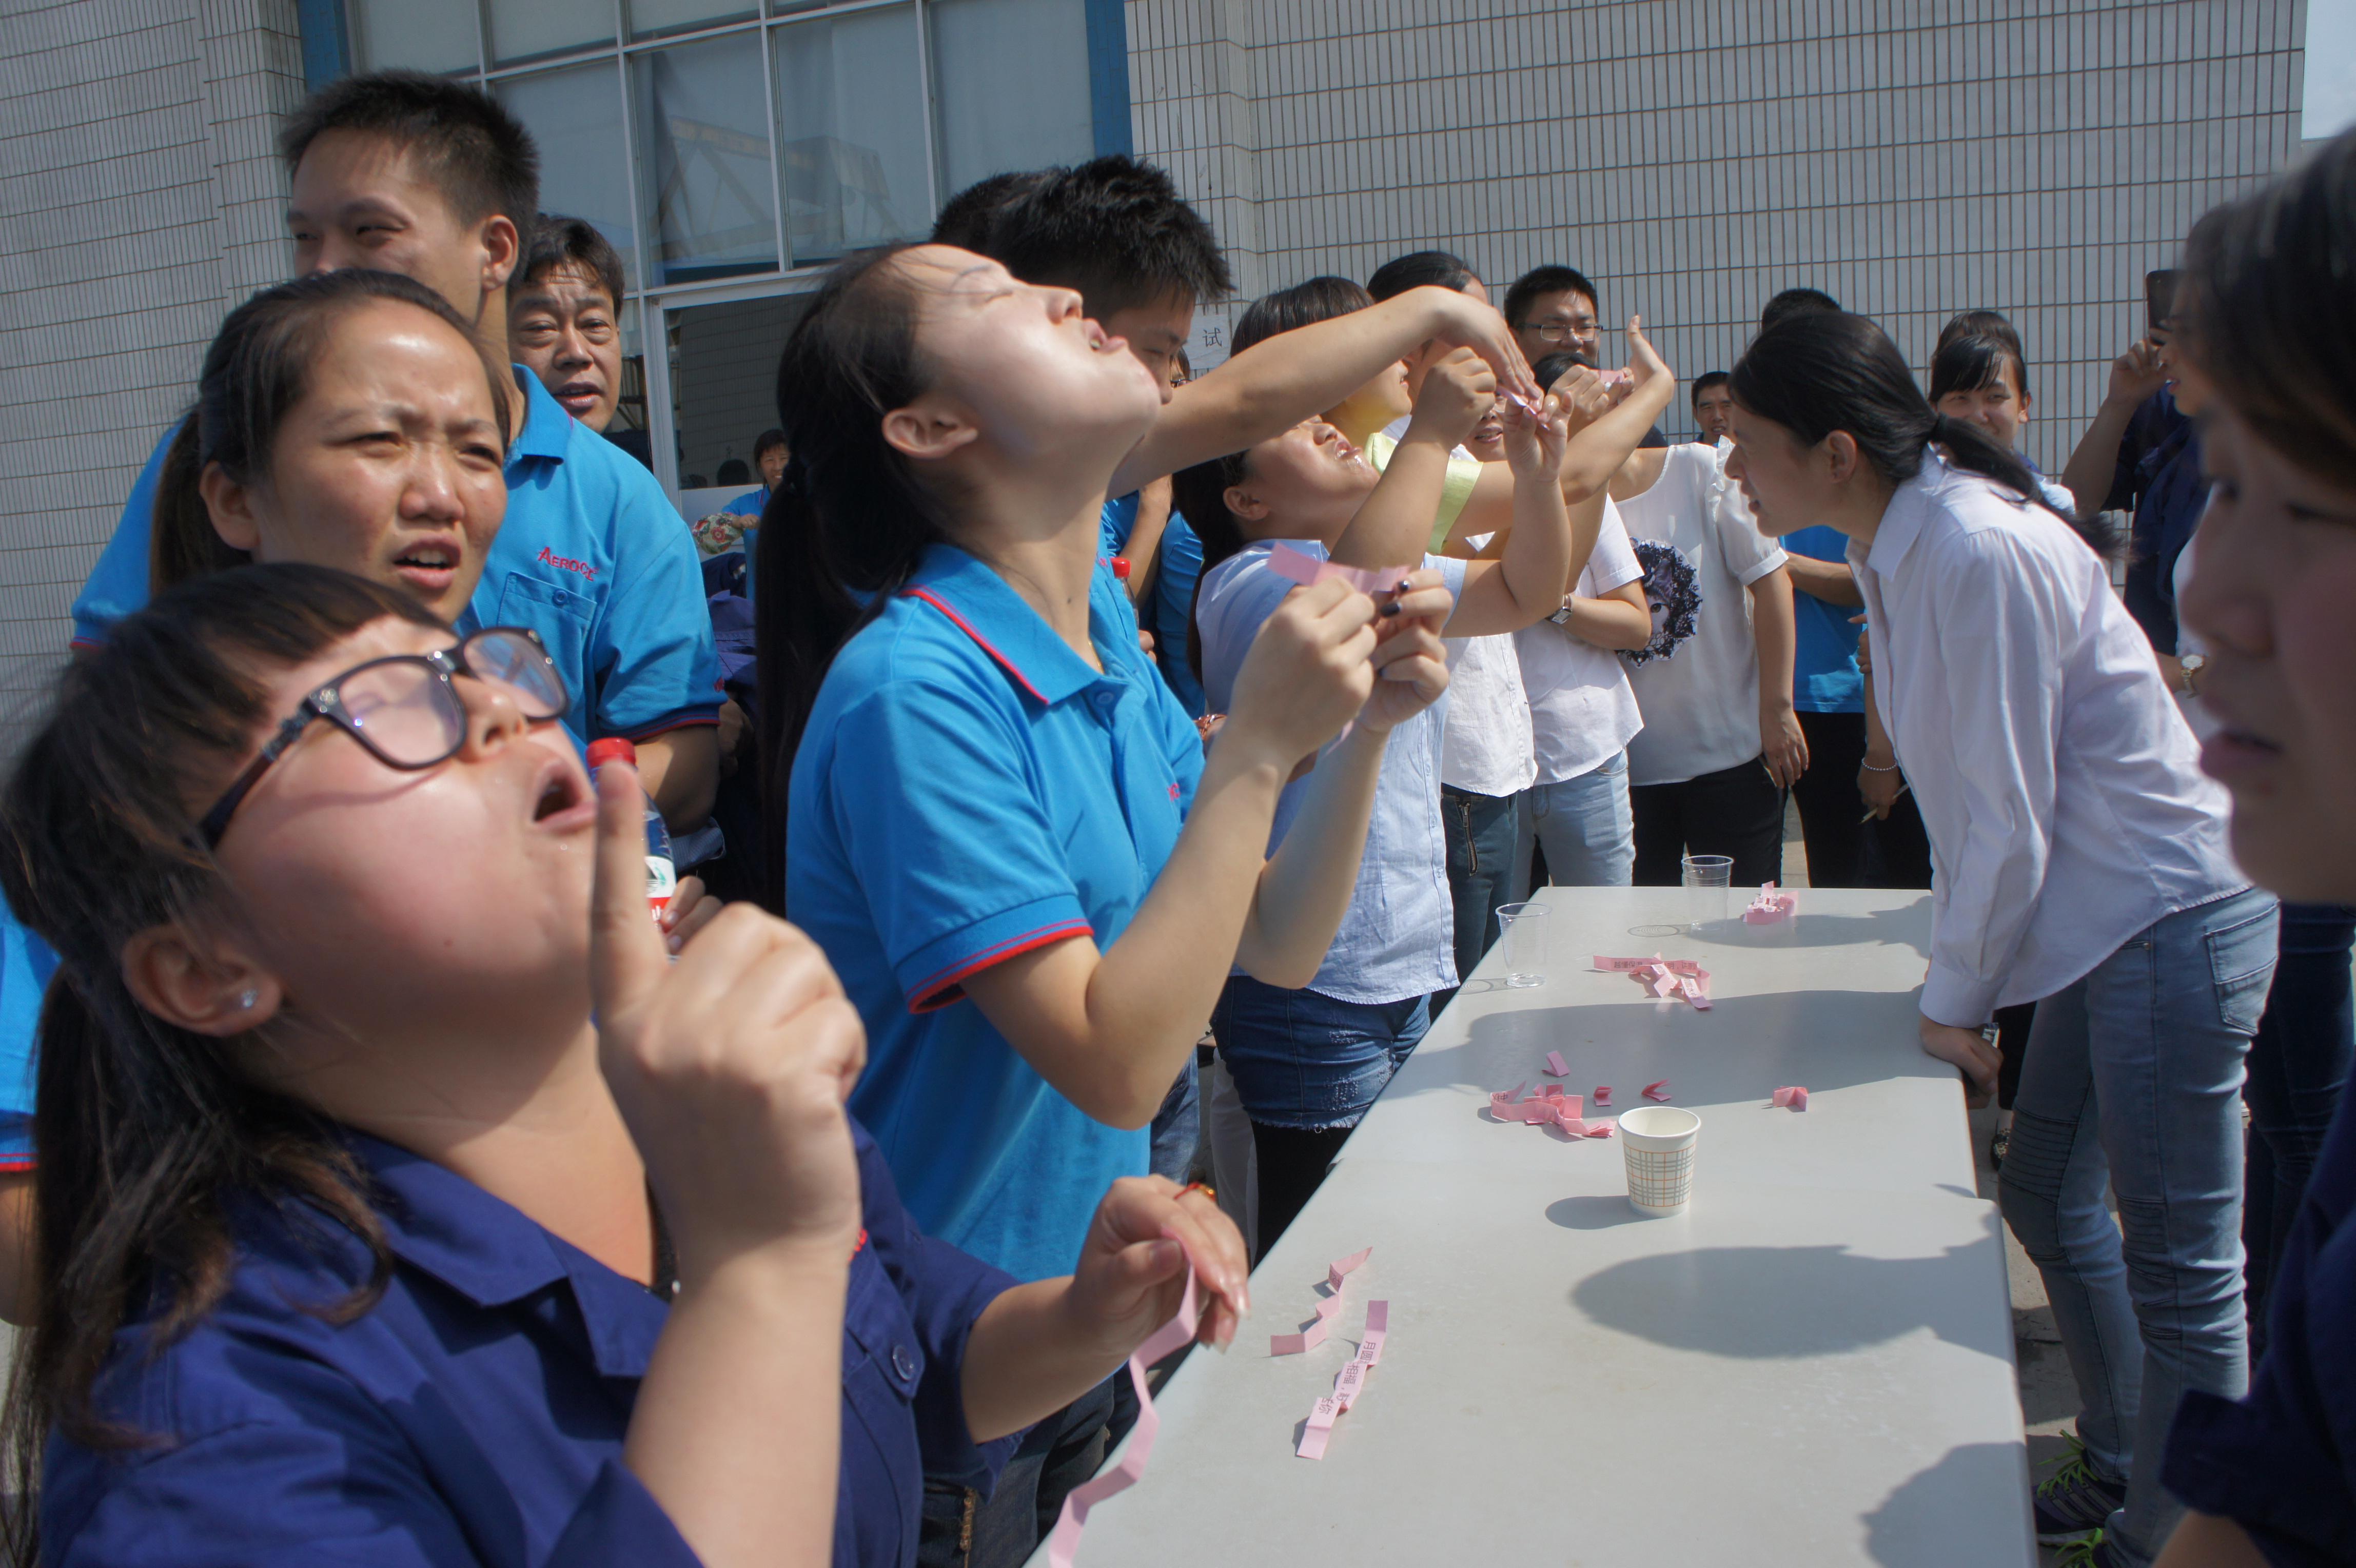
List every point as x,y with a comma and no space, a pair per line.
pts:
2087,1551
2073,1501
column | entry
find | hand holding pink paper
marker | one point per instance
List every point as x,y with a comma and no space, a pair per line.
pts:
1299,567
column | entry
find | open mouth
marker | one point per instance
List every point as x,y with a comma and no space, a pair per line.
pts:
561,794
576,396
429,564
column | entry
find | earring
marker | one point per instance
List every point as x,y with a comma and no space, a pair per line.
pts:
247,998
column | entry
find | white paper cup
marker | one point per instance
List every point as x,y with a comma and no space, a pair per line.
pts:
1657,1142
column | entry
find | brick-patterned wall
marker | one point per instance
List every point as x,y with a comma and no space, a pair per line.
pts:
1697,156
139,197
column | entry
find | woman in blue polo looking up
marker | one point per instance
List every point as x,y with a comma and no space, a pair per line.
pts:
1000,826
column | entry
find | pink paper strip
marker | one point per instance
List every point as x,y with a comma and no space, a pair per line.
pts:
1341,1267
1557,1065
1793,1098
1674,965
1769,907
1179,1330
1294,1344
1657,1091
1349,1383
1299,567
1602,1095
1314,1435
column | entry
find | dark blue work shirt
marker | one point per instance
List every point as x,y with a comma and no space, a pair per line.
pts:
476,1413
2158,475
2281,1462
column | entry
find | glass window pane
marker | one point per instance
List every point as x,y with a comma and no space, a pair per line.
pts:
417,35
705,191
653,18
576,115
851,133
526,30
1013,80
724,368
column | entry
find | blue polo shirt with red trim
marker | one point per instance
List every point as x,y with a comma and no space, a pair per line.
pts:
968,789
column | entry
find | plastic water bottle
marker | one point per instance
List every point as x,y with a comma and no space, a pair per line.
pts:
662,869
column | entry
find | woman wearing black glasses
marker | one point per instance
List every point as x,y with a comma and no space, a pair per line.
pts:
401,1200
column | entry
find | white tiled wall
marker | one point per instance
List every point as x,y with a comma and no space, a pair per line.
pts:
139,197
1694,156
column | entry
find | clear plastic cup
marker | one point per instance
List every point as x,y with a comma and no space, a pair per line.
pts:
1709,889
1657,1141
1522,930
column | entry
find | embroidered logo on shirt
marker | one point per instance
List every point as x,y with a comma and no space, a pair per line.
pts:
566,563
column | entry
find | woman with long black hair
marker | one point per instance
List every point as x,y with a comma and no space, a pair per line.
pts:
2080,864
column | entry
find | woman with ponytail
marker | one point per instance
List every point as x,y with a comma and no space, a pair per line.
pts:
997,822
2080,864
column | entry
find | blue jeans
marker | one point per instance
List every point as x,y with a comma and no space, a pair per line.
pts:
2134,1076
1303,1060
1481,855
1176,1126
2298,1063
1585,826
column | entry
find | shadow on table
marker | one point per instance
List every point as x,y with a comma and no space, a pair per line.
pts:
1943,1514
1793,1301
1742,1046
1886,927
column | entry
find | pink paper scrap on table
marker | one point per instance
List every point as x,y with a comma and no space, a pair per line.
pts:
1657,1091
1348,1383
1557,1065
1603,1095
1549,1107
1769,907
1119,1477
1793,1098
1314,1334
1665,977
1300,567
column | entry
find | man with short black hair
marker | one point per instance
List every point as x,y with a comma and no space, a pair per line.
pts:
1435,269
424,176
1713,405
1552,310
564,318
1795,302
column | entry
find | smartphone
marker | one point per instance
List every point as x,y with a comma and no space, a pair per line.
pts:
2158,303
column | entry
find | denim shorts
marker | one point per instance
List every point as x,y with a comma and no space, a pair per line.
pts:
1305,1060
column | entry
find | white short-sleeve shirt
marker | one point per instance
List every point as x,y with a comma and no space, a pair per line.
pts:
1694,534
1582,710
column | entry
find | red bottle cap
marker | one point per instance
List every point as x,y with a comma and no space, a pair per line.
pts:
1121,567
603,751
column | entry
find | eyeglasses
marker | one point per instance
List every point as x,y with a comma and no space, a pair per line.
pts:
405,709
1558,331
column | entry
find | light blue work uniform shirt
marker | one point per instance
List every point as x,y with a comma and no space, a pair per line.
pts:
968,789
26,964
1824,675
591,555
1173,603
749,504
1398,937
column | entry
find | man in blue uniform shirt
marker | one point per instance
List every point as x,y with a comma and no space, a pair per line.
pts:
422,175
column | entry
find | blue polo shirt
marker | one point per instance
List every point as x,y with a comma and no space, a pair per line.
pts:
1173,606
1117,521
478,1413
26,964
1825,676
749,504
968,789
591,555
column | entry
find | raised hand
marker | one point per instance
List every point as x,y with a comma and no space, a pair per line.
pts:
1306,675
2137,373
1410,662
1457,391
730,1066
1644,362
1535,442
1475,324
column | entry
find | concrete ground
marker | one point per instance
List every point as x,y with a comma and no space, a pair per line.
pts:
2049,1394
